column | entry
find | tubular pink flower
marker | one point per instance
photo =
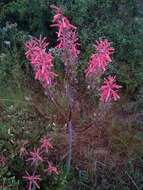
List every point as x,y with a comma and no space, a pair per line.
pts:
103,47
41,61
45,144
32,180
109,90
52,169
67,38
35,156
34,45
61,22
99,61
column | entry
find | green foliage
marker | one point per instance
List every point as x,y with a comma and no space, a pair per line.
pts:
9,184
106,177
11,54
59,182
32,16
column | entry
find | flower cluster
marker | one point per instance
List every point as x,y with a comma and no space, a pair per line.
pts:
41,61
52,169
99,61
67,38
36,157
32,180
45,144
109,90
97,66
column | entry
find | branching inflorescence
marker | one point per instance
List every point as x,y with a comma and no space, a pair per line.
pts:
67,38
97,65
42,63
100,59
36,158
109,90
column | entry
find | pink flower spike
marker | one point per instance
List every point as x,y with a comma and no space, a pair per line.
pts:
52,169
104,47
100,59
109,90
32,180
67,37
35,157
41,61
45,144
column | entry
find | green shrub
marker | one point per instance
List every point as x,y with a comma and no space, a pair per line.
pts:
11,55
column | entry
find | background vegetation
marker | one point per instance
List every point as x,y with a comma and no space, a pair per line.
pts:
121,22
